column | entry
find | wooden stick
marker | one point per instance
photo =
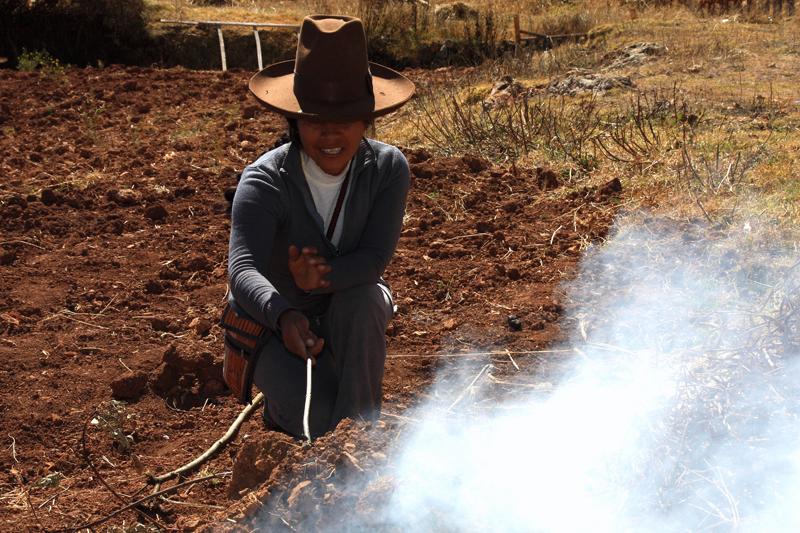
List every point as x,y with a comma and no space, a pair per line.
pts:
258,48
216,447
222,49
460,396
88,458
144,499
473,354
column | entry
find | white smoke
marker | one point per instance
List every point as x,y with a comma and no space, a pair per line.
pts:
679,411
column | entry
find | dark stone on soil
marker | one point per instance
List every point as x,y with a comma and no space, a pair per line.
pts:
609,189
418,155
475,164
195,263
250,111
129,386
514,322
49,197
154,286
8,258
124,197
184,191
422,171
485,226
162,324
17,200
169,272
156,212
546,178
513,274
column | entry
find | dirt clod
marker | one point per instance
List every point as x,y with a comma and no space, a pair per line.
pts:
156,212
514,323
256,460
129,386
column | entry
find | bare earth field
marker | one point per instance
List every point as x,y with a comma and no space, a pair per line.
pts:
113,242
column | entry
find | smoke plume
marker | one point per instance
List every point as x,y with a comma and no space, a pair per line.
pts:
678,410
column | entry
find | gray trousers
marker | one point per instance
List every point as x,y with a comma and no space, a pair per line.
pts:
348,377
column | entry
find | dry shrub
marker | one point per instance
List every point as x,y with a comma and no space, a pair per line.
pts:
79,31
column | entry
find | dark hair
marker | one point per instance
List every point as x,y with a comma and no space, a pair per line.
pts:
294,131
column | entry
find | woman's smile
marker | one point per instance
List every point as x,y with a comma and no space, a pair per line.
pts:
331,144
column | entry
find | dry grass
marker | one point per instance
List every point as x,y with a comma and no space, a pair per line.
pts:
724,89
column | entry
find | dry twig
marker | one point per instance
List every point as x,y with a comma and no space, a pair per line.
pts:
216,447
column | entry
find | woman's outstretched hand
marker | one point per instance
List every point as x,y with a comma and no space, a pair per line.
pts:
308,268
297,335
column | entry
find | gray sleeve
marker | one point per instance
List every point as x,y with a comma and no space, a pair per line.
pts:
255,216
366,264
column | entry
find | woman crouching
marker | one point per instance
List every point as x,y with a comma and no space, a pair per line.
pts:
315,223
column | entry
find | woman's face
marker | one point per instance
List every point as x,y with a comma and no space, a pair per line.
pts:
331,144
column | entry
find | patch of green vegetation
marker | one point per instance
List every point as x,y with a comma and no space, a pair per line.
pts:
41,60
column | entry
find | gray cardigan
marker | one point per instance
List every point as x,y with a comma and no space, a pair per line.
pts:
273,208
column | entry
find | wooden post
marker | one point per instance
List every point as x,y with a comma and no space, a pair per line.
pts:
516,33
258,48
222,49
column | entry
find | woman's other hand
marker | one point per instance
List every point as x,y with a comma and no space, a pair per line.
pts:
297,335
308,268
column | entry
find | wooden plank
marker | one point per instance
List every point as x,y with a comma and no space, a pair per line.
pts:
222,49
258,49
231,23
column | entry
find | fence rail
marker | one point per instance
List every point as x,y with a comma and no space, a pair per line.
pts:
220,23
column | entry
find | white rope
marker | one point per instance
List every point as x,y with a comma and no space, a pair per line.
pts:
307,407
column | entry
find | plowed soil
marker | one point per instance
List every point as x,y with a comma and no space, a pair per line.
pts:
113,242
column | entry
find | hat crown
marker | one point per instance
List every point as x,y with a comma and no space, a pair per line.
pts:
331,77
331,64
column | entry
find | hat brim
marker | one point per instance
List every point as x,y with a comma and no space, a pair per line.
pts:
273,86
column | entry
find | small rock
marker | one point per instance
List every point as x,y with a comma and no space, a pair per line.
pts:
475,164
8,258
156,212
546,178
124,197
161,324
250,111
610,188
195,263
201,326
513,274
49,197
514,323
129,386
154,286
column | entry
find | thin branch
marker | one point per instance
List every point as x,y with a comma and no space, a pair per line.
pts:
216,447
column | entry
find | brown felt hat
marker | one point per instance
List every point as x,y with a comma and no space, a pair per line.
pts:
331,78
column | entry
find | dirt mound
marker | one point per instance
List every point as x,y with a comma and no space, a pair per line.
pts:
112,269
